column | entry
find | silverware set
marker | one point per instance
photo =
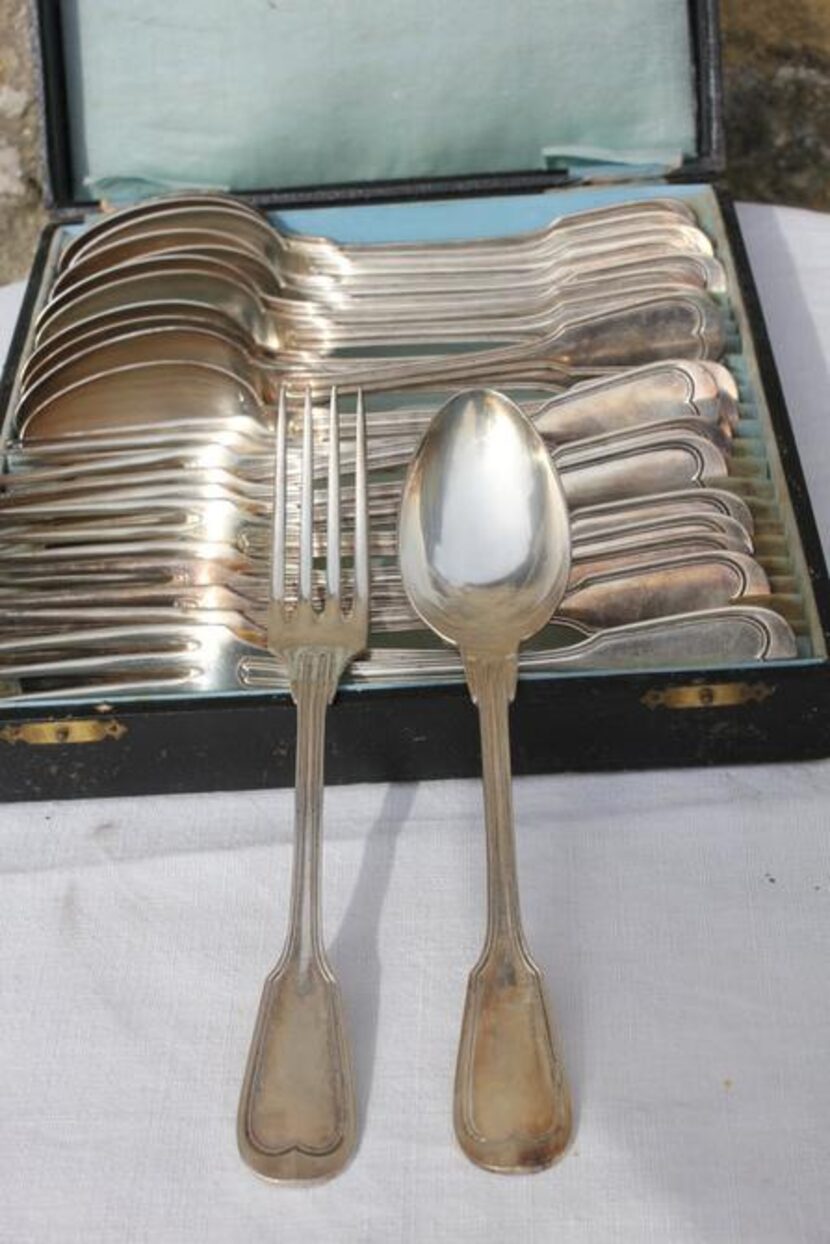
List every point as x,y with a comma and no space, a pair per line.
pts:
135,555
139,478
225,433
140,552
620,285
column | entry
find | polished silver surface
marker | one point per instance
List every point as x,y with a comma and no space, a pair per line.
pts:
729,636
512,309
295,295
615,465
599,326
622,284
484,548
679,252
223,523
140,488
168,522
653,393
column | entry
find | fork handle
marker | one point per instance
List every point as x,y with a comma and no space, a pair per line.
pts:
312,674
297,1114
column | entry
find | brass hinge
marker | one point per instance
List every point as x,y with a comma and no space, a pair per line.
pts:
50,733
708,695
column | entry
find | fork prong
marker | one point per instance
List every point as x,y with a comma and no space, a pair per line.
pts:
278,521
307,503
333,517
361,510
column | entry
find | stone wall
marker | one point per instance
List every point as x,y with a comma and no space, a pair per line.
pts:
777,79
21,214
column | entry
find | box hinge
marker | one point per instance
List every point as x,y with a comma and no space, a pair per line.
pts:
52,733
708,695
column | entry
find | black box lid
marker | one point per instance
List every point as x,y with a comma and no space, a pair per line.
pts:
334,102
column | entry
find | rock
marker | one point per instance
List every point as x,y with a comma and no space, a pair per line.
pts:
777,80
13,103
20,224
12,185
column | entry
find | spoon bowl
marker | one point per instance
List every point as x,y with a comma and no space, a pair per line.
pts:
484,539
128,396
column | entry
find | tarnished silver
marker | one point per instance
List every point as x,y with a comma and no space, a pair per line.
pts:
485,556
297,1115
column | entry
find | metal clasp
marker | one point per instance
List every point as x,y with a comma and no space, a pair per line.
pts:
53,733
708,695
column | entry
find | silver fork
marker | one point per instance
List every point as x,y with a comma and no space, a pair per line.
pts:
297,1114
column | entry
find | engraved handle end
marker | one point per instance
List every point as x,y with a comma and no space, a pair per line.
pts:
297,1113
512,1102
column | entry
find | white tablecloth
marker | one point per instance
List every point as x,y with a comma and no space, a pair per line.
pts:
683,920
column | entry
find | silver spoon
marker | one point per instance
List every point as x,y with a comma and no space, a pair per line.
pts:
485,555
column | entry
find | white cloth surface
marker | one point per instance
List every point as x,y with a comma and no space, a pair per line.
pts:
682,919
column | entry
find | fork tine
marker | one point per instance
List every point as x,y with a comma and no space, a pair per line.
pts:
361,510
333,520
307,503
278,521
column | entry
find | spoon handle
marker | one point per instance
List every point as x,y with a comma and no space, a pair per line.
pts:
512,1106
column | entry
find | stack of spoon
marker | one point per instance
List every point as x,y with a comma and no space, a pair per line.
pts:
621,285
